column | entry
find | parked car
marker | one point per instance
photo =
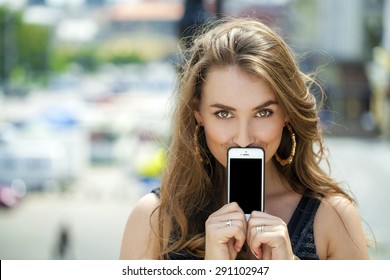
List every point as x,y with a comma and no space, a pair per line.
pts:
9,197
41,163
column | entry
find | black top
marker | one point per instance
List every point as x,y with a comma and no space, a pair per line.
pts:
300,229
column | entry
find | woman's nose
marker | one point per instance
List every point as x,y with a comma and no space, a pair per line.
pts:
243,136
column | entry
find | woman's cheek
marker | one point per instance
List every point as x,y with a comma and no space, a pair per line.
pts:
218,140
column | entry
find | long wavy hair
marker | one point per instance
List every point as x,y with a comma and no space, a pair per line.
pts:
192,189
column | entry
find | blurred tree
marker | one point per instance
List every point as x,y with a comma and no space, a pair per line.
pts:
64,55
8,24
33,49
86,58
24,50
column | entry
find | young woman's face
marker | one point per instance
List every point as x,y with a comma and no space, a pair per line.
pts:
238,109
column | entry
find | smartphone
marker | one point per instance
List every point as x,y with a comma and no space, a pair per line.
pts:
245,178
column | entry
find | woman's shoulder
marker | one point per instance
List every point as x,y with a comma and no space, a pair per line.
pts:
147,202
339,207
138,239
144,207
338,229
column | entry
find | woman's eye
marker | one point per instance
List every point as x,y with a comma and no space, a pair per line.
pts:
223,114
264,113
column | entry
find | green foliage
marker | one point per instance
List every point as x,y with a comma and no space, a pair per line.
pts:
89,57
120,59
33,48
60,58
9,24
24,49
65,55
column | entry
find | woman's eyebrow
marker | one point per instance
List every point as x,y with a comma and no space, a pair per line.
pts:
226,107
265,104
221,106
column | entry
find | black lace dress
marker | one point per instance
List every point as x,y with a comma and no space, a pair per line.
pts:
300,229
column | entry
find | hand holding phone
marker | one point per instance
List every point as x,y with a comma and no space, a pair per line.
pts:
245,172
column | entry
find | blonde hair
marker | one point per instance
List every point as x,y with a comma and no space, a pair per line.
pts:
192,190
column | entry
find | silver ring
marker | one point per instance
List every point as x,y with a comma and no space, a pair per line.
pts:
229,223
260,229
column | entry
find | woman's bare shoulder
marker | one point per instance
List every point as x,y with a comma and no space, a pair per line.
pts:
339,230
146,205
139,241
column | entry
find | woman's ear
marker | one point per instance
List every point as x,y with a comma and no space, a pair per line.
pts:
286,120
197,114
198,117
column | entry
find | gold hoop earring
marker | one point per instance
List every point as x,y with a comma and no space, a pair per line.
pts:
198,150
287,161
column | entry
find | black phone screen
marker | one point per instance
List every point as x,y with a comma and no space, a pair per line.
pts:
246,183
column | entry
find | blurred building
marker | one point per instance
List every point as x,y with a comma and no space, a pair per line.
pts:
148,17
379,71
340,35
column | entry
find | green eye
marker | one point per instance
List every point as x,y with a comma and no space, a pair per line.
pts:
223,114
264,113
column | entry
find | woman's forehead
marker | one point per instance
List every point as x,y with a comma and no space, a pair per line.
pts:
231,82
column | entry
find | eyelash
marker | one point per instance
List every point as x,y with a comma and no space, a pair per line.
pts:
219,114
267,111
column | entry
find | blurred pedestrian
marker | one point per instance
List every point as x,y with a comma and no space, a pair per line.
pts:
63,250
242,87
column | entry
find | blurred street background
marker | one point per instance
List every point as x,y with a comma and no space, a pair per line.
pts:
85,94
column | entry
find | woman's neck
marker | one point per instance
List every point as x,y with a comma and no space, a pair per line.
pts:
275,183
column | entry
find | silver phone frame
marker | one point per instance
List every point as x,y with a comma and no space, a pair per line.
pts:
247,153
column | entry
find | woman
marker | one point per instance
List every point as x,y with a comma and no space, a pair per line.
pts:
241,87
